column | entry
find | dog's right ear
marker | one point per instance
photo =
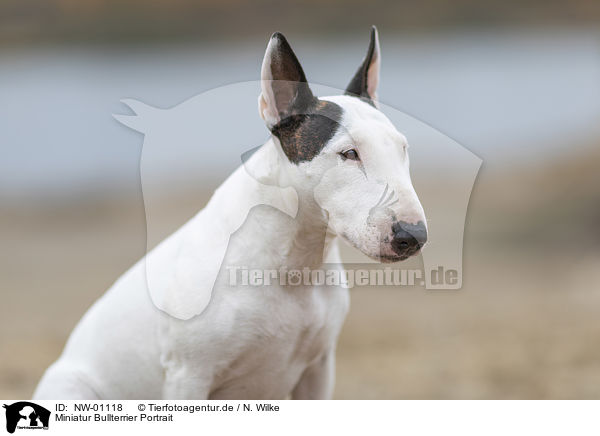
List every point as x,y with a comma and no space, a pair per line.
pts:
365,81
284,90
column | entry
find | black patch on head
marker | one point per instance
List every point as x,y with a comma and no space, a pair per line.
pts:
306,123
303,135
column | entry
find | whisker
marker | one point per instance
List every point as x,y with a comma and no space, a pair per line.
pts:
389,197
382,195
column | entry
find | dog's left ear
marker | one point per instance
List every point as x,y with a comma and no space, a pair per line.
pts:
365,81
284,88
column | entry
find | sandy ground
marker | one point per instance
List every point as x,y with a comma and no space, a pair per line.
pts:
525,324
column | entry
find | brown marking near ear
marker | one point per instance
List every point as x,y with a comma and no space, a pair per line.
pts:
303,135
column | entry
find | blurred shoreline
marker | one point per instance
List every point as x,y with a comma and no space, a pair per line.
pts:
511,99
104,21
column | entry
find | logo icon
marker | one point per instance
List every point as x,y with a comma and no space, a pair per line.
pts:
26,415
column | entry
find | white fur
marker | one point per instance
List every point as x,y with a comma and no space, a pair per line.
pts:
350,191
250,342
247,342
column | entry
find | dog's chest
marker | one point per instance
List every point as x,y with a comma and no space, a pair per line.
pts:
275,339
255,342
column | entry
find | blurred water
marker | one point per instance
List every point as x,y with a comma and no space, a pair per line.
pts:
510,98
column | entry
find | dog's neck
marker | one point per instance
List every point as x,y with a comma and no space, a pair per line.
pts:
308,241
297,235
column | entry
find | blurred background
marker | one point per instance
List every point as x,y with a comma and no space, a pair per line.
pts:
516,83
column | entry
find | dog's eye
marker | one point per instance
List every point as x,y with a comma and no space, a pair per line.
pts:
350,154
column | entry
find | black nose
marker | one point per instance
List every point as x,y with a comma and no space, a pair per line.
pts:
408,238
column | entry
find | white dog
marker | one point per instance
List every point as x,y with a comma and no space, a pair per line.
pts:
349,170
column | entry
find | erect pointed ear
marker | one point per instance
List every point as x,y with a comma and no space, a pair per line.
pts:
284,88
365,81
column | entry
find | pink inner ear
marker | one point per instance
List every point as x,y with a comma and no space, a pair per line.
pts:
366,79
282,81
373,78
266,108
284,92
373,71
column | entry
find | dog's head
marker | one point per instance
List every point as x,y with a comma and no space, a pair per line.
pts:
345,153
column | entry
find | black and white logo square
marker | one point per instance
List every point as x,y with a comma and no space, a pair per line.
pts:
26,415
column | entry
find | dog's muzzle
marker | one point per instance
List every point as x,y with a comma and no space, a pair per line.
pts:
408,238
